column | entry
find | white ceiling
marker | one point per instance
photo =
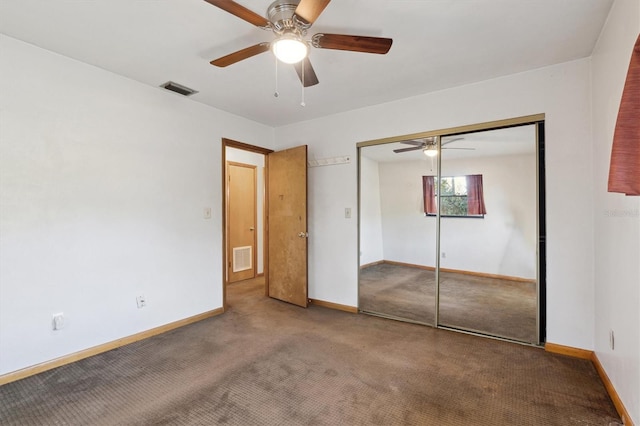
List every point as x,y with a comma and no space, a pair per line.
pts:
437,44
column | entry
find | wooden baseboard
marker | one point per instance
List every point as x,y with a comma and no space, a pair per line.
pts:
615,398
366,265
591,356
568,350
337,306
86,353
410,265
493,276
455,271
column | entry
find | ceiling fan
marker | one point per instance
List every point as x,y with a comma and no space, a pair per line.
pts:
428,145
289,20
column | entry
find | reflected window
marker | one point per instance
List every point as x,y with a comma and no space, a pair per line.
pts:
460,196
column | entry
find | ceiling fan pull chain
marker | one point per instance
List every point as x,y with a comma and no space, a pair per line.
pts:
276,94
303,67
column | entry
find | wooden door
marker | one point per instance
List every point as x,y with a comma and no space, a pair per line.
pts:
242,218
287,225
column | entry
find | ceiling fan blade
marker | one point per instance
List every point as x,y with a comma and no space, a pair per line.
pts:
352,43
452,140
310,78
309,10
419,142
412,148
240,11
238,56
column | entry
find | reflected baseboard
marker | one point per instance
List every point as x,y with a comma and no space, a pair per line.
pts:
367,265
454,271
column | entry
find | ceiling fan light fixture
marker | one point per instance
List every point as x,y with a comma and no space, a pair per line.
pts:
431,151
289,48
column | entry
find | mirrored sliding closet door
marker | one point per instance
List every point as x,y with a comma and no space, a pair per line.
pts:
451,230
486,194
397,241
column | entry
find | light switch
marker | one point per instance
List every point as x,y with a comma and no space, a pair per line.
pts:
347,213
207,213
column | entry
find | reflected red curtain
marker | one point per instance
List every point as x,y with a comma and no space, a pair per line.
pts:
475,195
429,195
624,171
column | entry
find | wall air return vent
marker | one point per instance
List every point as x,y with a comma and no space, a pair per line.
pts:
241,258
178,88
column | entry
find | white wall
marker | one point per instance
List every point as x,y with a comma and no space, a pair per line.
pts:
254,159
502,243
616,217
371,247
103,185
562,92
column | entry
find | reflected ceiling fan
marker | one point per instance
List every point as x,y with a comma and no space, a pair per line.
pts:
428,145
289,20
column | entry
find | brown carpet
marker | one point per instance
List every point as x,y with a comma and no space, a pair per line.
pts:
265,362
497,307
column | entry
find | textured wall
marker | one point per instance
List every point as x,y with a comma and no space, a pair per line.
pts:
103,183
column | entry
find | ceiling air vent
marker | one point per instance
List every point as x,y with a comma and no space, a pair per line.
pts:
178,88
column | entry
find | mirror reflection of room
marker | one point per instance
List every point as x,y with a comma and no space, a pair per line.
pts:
487,196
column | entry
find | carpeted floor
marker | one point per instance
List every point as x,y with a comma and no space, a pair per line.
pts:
491,306
265,362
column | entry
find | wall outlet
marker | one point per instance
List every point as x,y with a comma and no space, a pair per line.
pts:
141,301
612,341
58,321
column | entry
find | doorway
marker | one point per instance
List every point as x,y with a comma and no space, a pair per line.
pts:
431,253
243,209
276,184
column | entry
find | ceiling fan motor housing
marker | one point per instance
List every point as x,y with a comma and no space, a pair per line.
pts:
281,16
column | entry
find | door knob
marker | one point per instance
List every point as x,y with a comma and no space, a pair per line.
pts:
252,228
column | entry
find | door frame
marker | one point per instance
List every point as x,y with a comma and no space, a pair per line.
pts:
230,143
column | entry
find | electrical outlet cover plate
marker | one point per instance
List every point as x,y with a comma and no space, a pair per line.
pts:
141,301
58,321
